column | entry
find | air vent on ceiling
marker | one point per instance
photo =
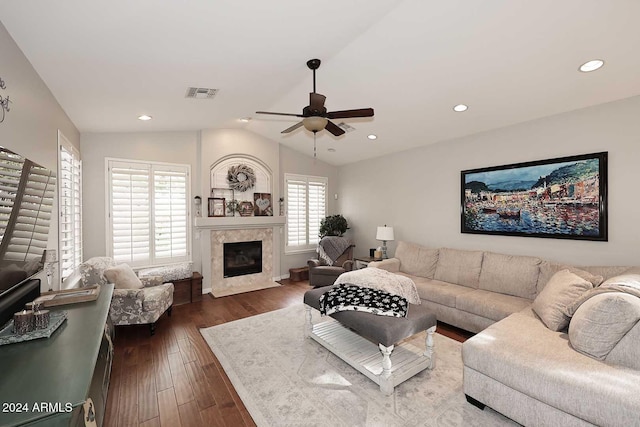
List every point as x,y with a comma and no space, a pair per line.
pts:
201,93
345,127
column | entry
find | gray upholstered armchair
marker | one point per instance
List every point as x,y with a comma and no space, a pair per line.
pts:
335,256
131,306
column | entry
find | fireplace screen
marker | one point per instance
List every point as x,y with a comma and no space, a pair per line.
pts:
242,258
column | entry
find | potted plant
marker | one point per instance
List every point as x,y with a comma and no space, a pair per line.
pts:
333,225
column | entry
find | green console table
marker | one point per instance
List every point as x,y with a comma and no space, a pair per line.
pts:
49,381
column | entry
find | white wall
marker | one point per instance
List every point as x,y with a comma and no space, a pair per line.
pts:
294,162
31,126
169,147
418,191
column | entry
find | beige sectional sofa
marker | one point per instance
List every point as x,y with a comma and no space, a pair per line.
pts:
516,363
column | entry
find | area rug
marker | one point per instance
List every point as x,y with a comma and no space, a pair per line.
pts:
285,379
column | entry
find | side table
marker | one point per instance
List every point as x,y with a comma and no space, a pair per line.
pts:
363,262
187,290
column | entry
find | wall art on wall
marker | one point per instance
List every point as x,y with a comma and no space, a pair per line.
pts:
262,204
4,102
563,198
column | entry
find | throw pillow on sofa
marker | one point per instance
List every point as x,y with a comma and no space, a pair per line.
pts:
601,322
563,289
626,283
417,260
548,269
123,277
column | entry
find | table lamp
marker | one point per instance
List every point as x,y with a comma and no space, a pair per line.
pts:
385,234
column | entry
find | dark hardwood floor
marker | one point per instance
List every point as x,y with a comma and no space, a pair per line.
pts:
173,379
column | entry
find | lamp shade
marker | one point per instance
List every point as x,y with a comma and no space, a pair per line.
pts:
314,123
384,233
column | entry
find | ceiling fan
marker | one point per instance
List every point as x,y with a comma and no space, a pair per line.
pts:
315,116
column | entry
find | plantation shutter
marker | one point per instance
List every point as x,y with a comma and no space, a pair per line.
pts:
170,214
149,213
10,171
296,213
306,207
30,231
130,212
317,209
70,202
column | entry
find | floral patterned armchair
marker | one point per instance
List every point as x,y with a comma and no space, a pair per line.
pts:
130,306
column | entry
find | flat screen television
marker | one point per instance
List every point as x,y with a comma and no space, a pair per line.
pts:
27,192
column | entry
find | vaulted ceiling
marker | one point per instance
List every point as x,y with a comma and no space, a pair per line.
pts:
108,62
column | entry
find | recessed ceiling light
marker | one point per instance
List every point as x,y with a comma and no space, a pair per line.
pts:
144,117
592,65
245,119
331,150
460,108
372,136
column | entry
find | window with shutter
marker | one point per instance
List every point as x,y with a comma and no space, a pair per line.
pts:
148,212
70,208
306,206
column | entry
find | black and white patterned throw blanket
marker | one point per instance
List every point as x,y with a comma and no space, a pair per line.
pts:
347,297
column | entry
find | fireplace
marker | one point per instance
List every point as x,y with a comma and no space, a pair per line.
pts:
242,258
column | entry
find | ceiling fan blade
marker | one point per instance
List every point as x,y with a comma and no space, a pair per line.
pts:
279,114
346,114
334,129
316,101
292,128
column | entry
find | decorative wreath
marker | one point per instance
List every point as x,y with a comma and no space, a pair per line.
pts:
241,178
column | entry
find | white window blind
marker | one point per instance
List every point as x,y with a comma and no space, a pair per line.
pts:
306,207
70,206
148,212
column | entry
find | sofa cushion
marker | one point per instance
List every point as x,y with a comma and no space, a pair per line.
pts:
417,260
439,292
510,274
625,353
491,305
562,290
524,355
459,267
599,324
123,277
548,269
169,273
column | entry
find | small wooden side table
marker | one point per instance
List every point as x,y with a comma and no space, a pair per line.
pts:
187,290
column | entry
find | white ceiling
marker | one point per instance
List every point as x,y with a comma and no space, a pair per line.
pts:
107,62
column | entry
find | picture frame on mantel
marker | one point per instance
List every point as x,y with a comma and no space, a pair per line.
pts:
217,207
560,198
228,195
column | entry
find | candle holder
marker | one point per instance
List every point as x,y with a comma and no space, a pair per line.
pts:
40,317
23,322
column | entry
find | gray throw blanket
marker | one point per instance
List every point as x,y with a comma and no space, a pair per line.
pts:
331,247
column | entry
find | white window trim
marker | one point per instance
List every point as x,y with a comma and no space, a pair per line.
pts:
74,278
107,220
310,248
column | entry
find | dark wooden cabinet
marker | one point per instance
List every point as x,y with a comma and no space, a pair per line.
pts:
52,378
187,290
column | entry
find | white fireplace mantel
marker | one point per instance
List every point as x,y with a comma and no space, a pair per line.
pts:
235,222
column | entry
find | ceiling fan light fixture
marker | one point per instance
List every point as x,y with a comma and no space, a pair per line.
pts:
144,117
372,136
245,119
460,108
314,123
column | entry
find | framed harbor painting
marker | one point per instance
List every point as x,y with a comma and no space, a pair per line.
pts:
562,198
